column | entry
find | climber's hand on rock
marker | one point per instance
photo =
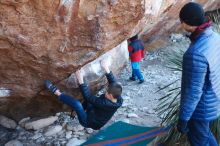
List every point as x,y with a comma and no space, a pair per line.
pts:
79,76
105,66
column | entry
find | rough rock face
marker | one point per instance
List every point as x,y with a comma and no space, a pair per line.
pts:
164,20
51,39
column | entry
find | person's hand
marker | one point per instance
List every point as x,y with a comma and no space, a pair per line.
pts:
105,66
182,126
79,76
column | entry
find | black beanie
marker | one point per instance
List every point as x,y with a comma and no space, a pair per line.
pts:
192,14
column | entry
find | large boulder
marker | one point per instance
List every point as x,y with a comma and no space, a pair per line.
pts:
51,39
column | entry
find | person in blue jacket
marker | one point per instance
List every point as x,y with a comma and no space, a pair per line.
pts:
95,112
200,89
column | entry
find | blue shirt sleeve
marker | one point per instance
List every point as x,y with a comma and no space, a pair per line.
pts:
110,77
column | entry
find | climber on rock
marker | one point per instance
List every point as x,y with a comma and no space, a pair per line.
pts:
95,111
136,53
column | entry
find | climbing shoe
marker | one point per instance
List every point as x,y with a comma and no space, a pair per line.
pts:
132,79
141,81
48,84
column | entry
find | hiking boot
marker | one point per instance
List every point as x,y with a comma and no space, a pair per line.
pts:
141,81
132,79
48,84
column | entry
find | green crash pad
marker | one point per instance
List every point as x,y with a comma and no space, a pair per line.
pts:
121,134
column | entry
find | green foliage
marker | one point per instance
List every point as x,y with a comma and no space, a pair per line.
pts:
216,19
169,104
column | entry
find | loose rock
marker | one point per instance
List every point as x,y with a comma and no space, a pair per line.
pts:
68,134
53,130
69,127
14,143
89,130
7,123
35,125
79,133
75,142
36,136
132,115
124,120
23,121
78,128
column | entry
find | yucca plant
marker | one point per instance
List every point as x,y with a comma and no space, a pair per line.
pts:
216,19
168,107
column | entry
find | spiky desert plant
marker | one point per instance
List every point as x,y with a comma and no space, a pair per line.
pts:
216,19
169,104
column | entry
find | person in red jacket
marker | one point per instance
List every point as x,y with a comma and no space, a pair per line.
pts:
136,53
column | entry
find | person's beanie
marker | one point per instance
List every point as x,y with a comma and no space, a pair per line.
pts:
192,14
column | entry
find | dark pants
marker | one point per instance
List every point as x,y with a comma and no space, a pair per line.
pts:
77,106
87,106
200,134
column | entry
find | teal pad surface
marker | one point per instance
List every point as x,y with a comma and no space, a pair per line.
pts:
121,134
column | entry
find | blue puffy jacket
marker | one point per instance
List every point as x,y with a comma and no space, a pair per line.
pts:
200,90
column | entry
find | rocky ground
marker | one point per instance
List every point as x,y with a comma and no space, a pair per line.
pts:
140,102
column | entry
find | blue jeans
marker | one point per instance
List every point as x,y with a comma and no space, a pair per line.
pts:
136,71
200,134
77,106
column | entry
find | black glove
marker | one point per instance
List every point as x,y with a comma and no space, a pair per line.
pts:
182,126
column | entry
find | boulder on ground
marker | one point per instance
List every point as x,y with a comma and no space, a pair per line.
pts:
41,123
14,143
7,123
53,130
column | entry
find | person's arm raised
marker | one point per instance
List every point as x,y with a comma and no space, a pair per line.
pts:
109,75
83,86
79,76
